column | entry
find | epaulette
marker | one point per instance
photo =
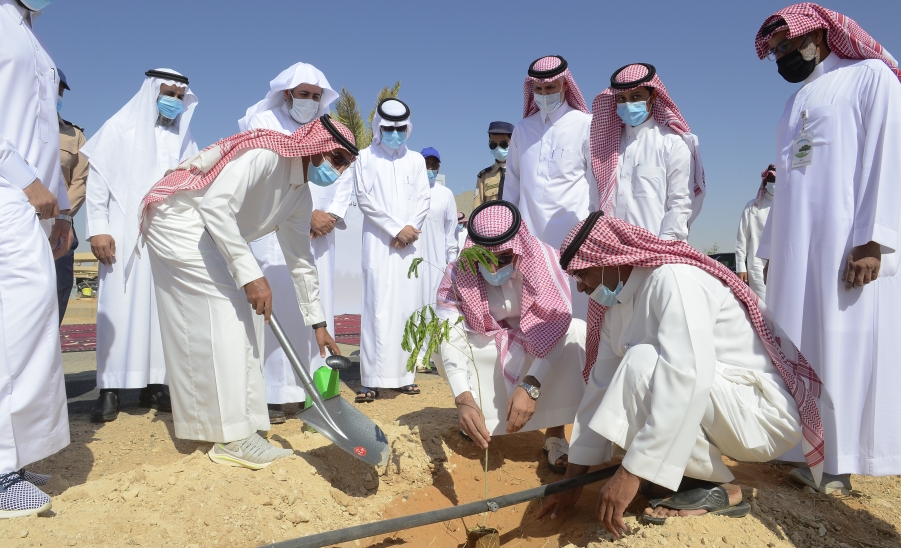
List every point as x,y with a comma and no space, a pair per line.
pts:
67,122
484,171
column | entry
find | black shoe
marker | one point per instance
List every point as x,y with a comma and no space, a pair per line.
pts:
106,408
155,396
276,413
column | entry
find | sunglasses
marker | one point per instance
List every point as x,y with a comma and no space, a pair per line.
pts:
337,160
505,259
503,144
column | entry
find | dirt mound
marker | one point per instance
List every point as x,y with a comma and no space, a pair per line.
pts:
130,483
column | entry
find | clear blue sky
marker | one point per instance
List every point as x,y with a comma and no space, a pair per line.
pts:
461,65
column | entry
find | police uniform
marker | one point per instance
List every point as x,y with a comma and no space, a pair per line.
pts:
73,163
489,184
75,173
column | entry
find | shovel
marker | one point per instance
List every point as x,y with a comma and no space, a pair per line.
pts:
335,418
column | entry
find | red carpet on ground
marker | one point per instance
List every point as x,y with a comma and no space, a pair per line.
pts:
78,338
83,338
347,329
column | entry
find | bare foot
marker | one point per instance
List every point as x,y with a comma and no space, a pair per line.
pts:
734,492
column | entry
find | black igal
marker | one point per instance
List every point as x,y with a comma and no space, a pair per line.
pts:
335,418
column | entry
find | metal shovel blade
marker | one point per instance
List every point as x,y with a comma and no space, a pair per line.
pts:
335,418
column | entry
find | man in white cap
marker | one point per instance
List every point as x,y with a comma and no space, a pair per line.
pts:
392,189
33,419
130,152
748,266
549,177
297,96
439,238
197,222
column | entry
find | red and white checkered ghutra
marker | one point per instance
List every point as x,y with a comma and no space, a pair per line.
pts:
202,169
607,130
546,299
614,242
573,94
844,36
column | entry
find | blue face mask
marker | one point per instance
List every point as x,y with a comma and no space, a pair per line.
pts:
548,103
632,114
500,277
36,5
59,103
394,139
322,175
603,296
459,226
500,154
433,174
170,107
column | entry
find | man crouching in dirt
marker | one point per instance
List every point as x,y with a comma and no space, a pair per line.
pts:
689,367
515,364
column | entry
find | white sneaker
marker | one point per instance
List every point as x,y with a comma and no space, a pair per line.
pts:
252,452
20,498
34,478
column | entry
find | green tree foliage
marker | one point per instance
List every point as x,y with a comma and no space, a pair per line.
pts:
347,111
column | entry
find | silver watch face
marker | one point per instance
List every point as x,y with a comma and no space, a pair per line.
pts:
532,391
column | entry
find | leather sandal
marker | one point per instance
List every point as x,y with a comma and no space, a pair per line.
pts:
714,499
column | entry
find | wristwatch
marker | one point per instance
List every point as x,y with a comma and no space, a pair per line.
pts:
62,217
319,325
531,390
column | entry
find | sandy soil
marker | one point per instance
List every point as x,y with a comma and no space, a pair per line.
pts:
130,483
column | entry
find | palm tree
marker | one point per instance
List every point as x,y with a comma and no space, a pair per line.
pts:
348,113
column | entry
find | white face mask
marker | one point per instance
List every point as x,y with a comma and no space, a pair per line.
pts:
303,110
548,103
771,188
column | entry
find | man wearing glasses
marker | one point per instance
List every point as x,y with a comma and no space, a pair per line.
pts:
490,181
515,364
834,232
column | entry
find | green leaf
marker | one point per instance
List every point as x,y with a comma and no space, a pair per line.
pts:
414,267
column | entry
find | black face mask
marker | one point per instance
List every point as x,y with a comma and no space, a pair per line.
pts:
794,68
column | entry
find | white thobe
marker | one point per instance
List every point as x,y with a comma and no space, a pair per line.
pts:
559,372
681,378
654,180
549,177
462,234
129,346
392,191
34,423
198,248
29,118
438,241
282,383
750,227
848,197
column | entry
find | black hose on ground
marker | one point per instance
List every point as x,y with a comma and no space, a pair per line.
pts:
356,532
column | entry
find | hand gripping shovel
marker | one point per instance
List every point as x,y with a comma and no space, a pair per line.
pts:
335,418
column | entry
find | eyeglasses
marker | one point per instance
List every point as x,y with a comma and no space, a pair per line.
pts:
337,160
784,47
503,144
576,277
504,260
